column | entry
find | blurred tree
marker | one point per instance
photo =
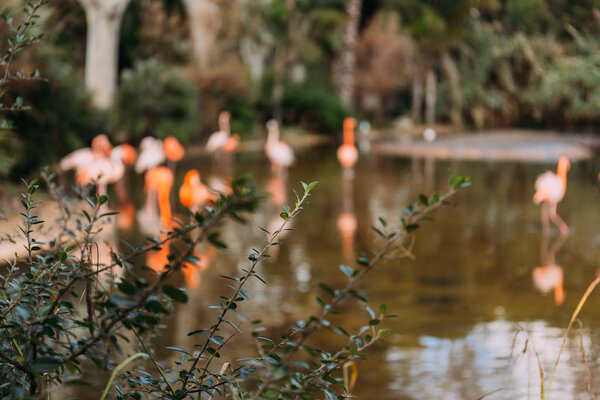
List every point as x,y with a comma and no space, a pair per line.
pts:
204,20
102,49
157,101
345,85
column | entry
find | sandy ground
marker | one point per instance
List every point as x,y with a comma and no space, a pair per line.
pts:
497,145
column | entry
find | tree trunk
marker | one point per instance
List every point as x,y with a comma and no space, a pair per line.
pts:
451,72
203,19
103,19
347,60
417,93
430,95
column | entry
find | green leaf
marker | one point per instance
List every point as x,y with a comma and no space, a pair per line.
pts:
213,238
383,308
102,199
175,294
271,394
126,287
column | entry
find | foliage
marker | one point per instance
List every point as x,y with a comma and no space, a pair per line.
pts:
18,38
60,120
313,107
58,308
157,101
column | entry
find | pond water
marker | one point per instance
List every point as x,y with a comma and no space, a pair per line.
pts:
460,304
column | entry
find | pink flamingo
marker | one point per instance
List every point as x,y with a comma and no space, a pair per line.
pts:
279,153
152,154
218,139
100,148
347,153
193,194
550,189
106,170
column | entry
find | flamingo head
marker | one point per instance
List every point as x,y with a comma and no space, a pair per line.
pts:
224,119
101,144
192,177
127,153
349,124
563,165
173,149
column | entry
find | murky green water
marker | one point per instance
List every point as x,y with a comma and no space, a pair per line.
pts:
460,303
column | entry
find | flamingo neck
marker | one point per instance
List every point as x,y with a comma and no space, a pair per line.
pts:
273,135
164,205
562,175
349,137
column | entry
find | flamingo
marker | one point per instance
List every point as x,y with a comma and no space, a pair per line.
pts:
347,153
174,151
100,148
279,153
152,154
160,180
550,189
193,194
217,140
106,170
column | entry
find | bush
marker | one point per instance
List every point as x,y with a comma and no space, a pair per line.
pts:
56,314
314,108
61,119
155,101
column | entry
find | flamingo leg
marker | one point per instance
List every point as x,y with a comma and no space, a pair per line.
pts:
562,226
545,223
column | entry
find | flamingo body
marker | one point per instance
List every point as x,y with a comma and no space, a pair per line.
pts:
151,155
279,153
193,194
347,153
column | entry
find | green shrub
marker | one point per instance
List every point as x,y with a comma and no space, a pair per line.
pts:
156,101
61,119
314,108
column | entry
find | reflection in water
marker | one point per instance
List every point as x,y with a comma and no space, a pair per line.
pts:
193,269
460,303
277,188
158,259
549,276
346,222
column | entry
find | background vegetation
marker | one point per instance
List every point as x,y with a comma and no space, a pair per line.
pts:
473,63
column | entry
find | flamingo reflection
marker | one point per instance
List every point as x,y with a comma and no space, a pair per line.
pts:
158,184
550,276
193,269
277,188
346,222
